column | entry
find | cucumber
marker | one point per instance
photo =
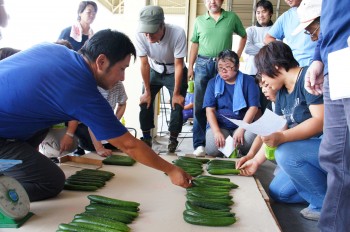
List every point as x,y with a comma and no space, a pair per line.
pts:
98,171
88,177
102,222
126,208
117,217
119,160
182,161
102,208
96,228
198,183
208,221
189,159
187,164
222,171
76,187
112,201
92,183
215,182
208,212
220,161
213,178
210,205
70,227
218,191
226,202
208,195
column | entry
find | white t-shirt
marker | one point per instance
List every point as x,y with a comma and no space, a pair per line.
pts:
173,45
255,41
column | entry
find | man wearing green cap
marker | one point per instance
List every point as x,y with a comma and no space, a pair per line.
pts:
161,48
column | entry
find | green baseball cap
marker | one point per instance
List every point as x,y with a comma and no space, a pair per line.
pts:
150,19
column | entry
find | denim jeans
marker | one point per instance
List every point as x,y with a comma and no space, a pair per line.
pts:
156,83
335,159
40,177
300,177
204,71
84,139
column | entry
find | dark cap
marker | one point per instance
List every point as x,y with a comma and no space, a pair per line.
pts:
150,19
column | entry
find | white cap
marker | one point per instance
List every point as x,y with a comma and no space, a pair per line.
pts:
307,12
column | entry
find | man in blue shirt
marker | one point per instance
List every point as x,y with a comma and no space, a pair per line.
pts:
334,151
49,84
301,45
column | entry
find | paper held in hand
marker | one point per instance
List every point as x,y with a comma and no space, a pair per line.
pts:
267,124
339,74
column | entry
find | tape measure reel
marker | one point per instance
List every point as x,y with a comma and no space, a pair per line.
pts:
14,203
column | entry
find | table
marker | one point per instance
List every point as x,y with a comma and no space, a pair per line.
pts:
162,203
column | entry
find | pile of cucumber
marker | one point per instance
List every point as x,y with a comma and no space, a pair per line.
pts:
87,180
192,166
222,167
121,160
103,214
209,202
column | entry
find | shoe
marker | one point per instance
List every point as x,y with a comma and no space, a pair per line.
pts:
148,141
79,151
172,146
310,214
199,152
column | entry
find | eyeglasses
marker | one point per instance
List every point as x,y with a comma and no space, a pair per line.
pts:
226,69
313,33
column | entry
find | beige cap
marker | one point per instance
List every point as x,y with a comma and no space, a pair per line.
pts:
308,11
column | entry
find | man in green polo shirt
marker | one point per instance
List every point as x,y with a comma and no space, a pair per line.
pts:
212,34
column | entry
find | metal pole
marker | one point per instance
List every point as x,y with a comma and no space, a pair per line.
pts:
229,5
253,12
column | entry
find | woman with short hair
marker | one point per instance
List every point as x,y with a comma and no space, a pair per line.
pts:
299,177
81,31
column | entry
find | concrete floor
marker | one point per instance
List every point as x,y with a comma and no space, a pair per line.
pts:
287,215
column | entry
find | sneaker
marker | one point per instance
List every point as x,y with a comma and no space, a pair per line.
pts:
199,152
310,214
172,146
148,141
79,151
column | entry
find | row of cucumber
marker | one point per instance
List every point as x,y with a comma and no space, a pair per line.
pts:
87,180
121,160
192,166
209,202
222,167
103,214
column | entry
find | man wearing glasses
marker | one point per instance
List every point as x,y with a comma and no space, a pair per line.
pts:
234,95
309,13
301,45
161,48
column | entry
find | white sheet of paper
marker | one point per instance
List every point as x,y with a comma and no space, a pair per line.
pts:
228,148
339,74
267,124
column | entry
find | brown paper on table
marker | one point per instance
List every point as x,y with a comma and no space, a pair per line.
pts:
81,162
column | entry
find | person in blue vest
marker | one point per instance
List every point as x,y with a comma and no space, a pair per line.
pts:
48,84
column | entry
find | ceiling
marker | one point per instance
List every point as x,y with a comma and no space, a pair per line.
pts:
243,8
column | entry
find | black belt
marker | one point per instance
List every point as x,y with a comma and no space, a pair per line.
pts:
207,57
164,65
